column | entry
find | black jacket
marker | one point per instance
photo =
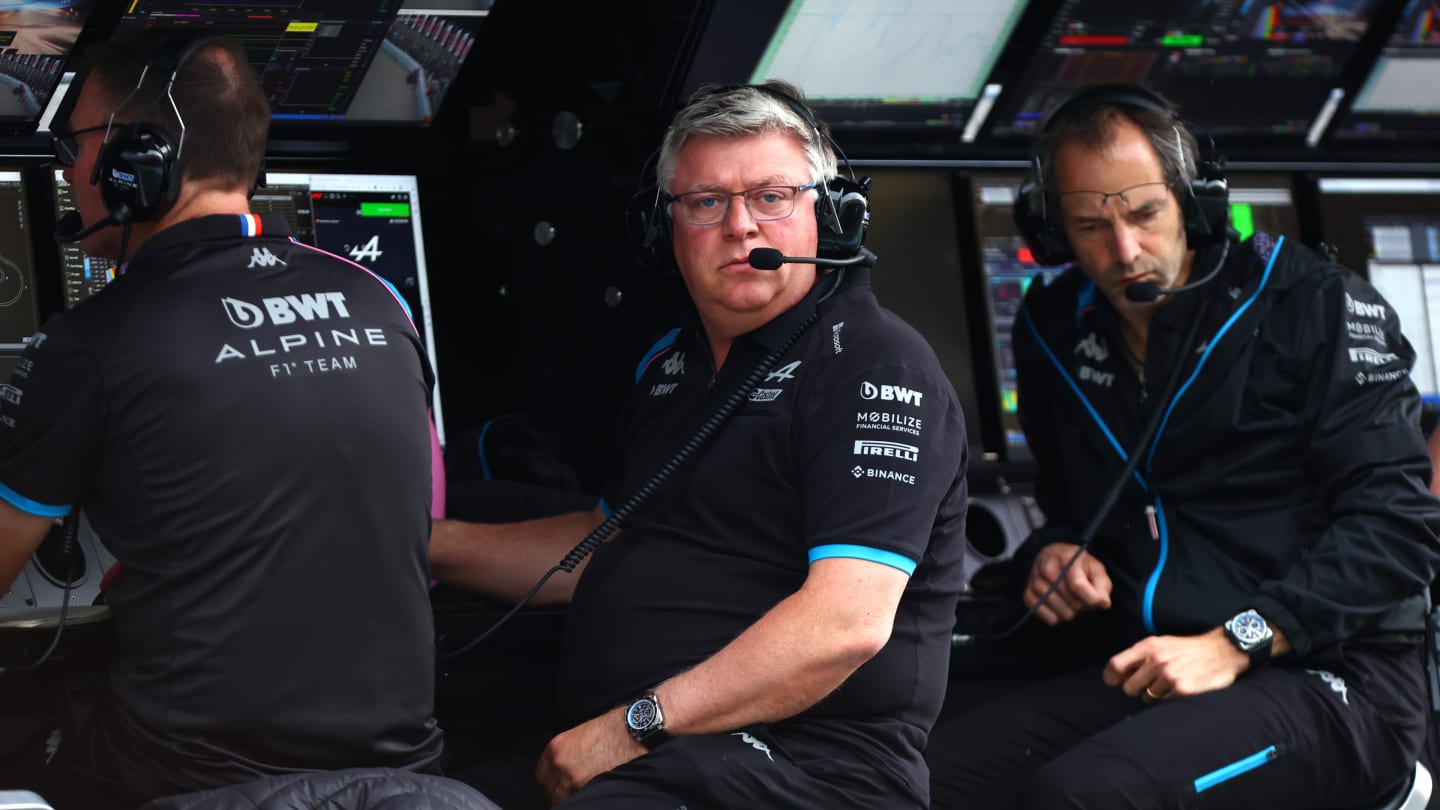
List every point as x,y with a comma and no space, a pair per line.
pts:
1288,473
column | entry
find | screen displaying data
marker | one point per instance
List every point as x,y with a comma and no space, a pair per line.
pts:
337,60
863,64
1400,99
1235,67
36,38
81,275
1389,228
370,219
19,307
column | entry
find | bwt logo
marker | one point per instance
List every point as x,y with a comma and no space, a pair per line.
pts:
285,310
124,177
890,393
1363,309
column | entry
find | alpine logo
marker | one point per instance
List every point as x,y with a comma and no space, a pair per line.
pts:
262,257
370,251
905,452
1370,357
890,393
285,310
785,372
1361,309
1092,348
675,364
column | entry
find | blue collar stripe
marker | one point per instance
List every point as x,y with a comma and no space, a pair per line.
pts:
24,504
1070,381
660,345
1265,279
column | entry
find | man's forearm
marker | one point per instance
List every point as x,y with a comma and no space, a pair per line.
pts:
504,560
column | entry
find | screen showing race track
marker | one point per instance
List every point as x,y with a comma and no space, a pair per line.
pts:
372,220
329,61
19,307
1247,68
81,275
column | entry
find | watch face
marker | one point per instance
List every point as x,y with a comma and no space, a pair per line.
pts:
1249,629
641,714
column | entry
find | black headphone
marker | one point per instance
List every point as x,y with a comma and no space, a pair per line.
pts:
842,205
138,170
1204,203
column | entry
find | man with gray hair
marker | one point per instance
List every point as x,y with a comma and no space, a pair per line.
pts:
772,627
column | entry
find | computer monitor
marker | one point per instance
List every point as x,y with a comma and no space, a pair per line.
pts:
81,275
1389,228
892,67
370,219
1260,202
36,37
1263,70
328,61
19,306
1400,99
919,272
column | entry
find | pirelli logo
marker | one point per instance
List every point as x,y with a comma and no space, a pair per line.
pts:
904,452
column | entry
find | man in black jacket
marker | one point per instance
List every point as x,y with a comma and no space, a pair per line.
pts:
1258,585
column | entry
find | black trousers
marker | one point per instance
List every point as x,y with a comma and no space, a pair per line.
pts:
1281,736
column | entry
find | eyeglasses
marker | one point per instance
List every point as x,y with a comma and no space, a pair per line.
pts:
765,204
66,145
1142,197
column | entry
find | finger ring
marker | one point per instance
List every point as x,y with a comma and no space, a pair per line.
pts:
1150,694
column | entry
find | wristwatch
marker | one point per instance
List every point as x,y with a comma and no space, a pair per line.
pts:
1248,631
645,721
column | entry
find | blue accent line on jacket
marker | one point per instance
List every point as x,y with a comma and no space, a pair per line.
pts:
1070,381
660,345
1235,769
480,450
1164,531
37,508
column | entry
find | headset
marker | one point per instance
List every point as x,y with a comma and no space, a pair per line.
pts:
842,206
138,170
1205,202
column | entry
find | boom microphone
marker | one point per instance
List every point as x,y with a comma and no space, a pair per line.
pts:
71,228
1145,292
771,259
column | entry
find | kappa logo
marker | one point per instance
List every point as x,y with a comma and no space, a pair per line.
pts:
370,251
1362,309
750,740
890,393
10,394
785,372
285,310
905,452
38,340
675,364
1337,683
1092,348
1370,357
262,257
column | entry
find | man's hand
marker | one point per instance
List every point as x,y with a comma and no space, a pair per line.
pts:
1085,587
1161,667
576,756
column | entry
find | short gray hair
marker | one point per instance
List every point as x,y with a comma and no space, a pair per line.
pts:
739,110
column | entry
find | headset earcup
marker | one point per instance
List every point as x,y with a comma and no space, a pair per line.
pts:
1207,207
137,174
1045,238
852,205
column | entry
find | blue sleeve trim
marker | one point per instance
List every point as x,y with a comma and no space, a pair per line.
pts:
24,504
605,507
398,296
480,450
875,555
1235,769
660,345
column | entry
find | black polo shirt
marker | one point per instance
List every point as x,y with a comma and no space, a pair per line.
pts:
852,446
243,419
